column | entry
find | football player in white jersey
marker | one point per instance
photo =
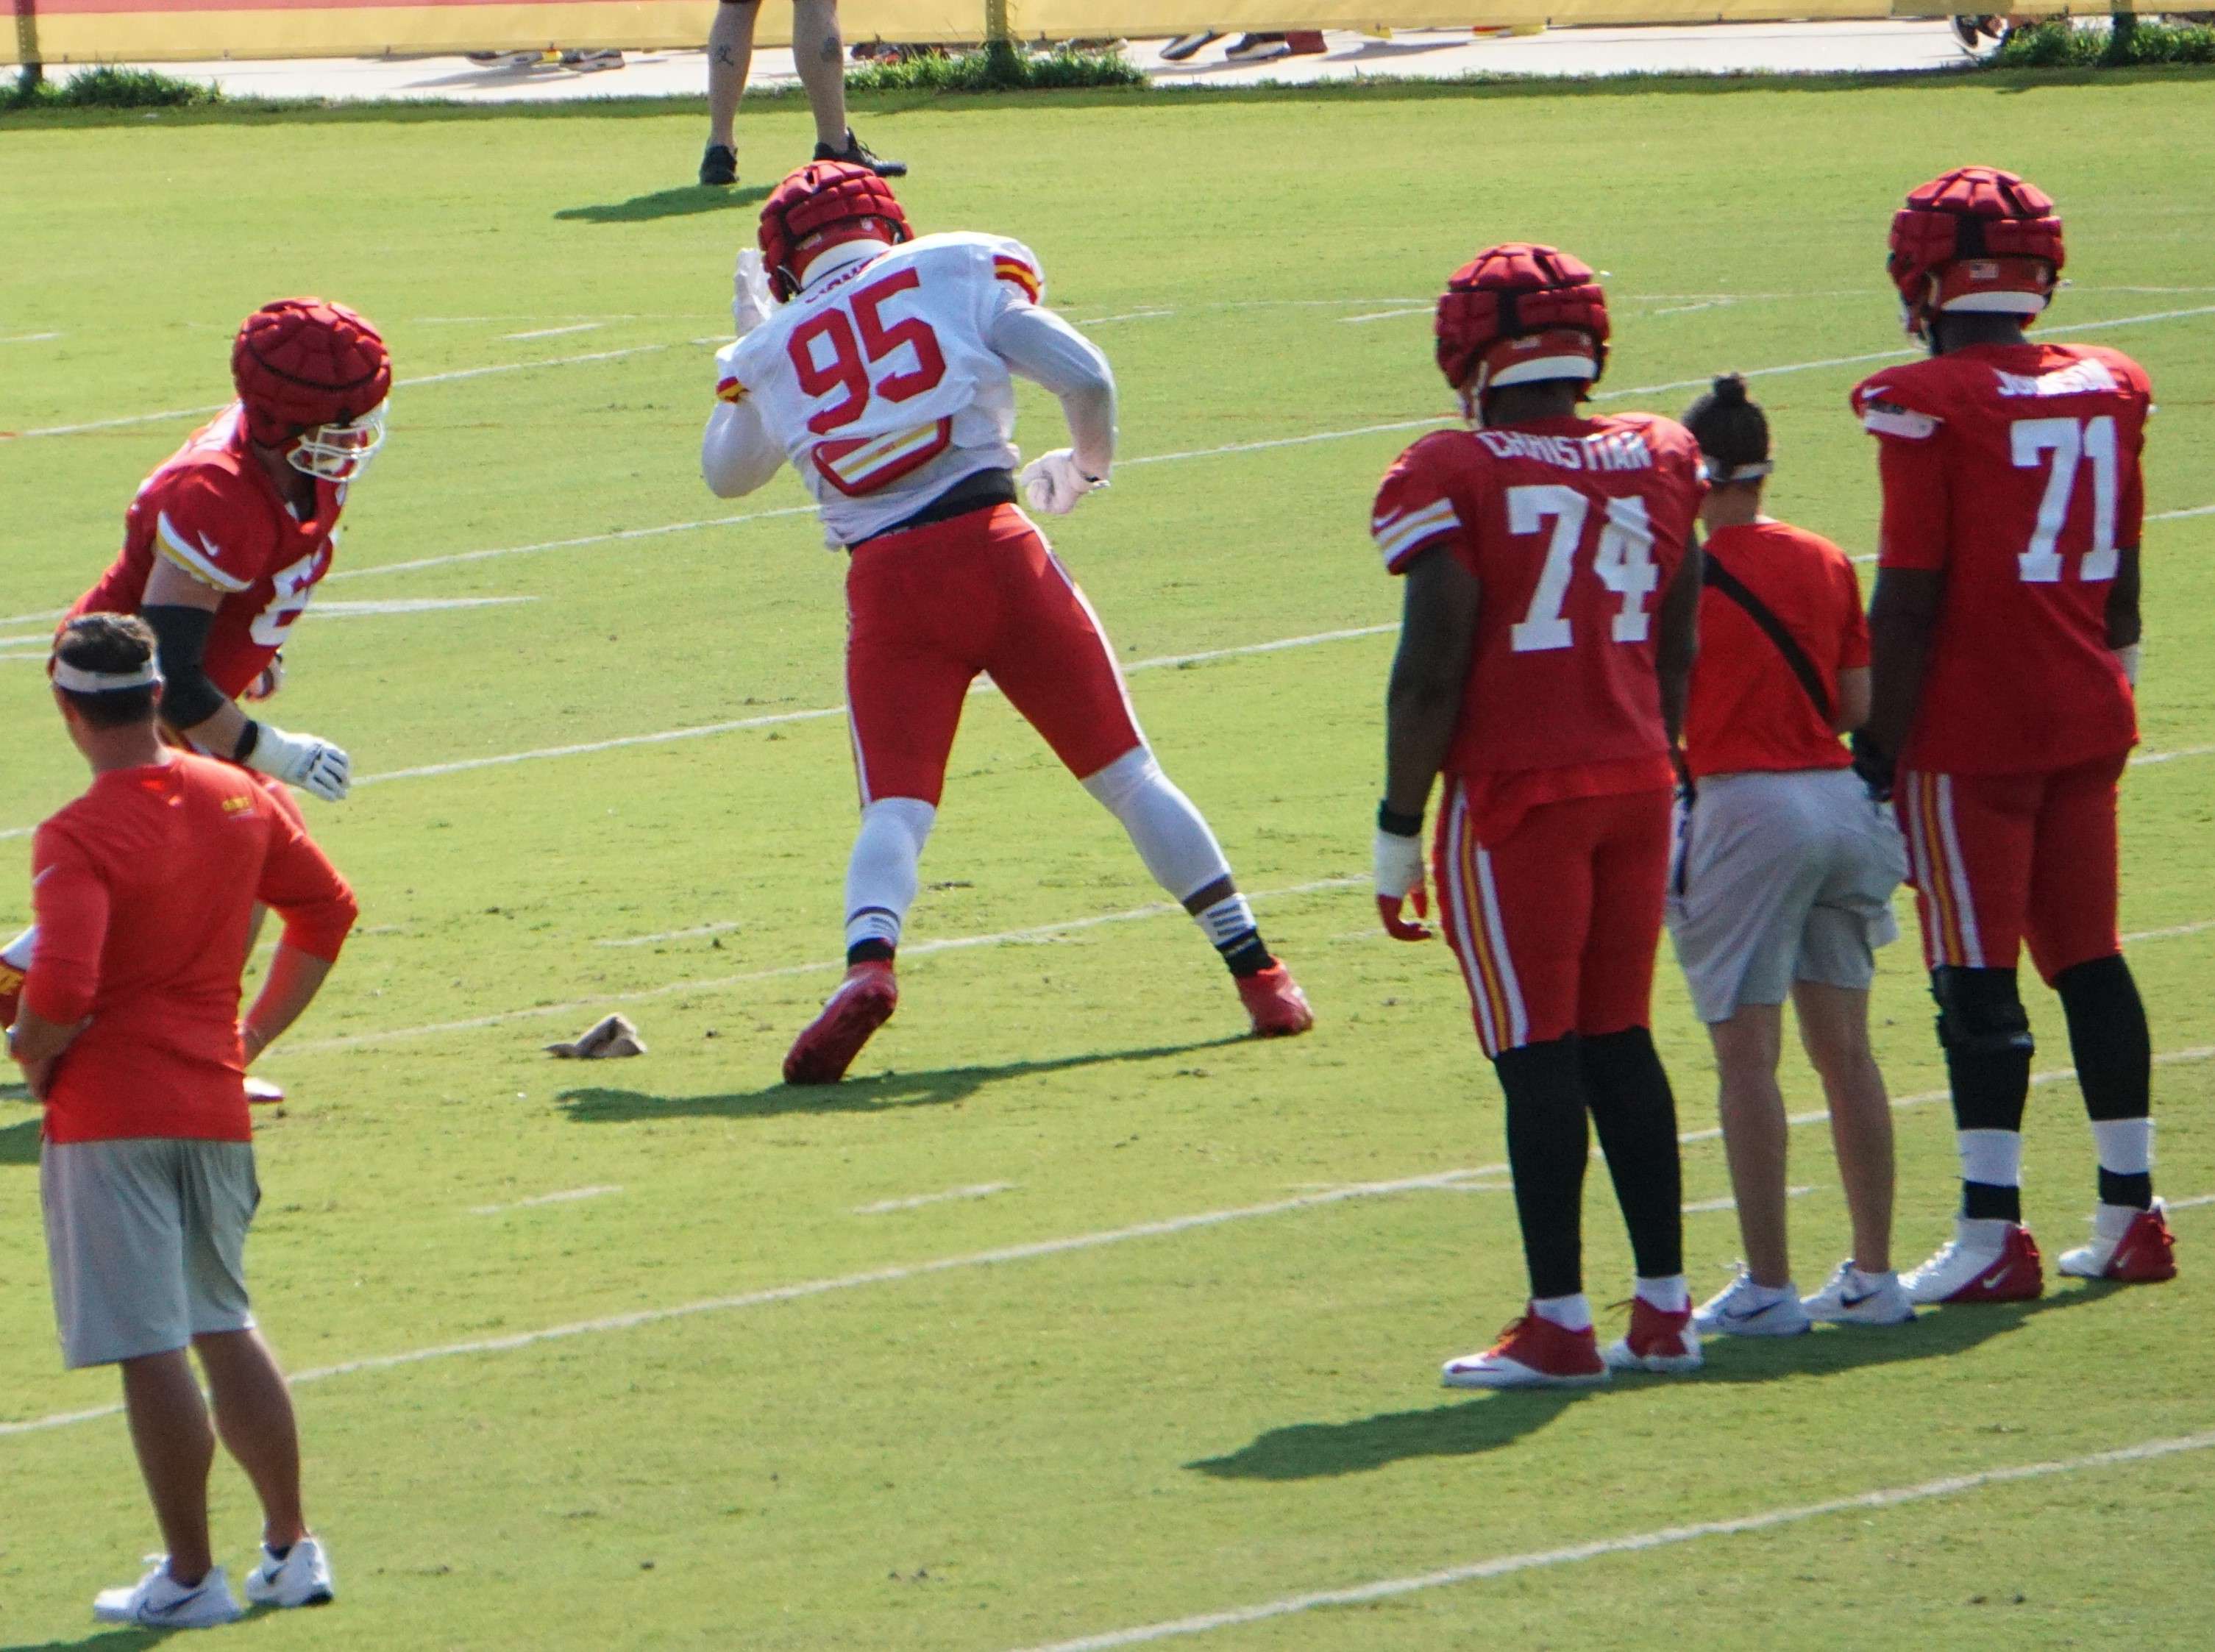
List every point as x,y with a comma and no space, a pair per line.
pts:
877,365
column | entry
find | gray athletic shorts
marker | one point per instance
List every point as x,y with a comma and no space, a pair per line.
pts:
1781,878
146,1242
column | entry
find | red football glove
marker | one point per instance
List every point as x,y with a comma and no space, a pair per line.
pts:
1400,884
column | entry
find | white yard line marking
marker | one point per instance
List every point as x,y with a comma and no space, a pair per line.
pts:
909,951
671,934
1384,314
982,1190
1953,1485
2145,757
2171,932
340,610
1706,1206
2187,1205
1127,315
552,331
30,338
2172,516
566,1197
402,383
612,538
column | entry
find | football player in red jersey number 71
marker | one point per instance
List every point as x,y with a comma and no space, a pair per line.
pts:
226,540
879,367
1550,620
2004,640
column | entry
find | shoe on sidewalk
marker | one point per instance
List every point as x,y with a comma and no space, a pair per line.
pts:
1274,1000
302,1578
1984,1262
826,1047
718,166
1187,45
1531,1353
857,153
1743,1309
1853,1298
2130,1247
159,1601
1257,48
1658,1341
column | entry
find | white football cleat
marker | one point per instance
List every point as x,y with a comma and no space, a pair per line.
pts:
1984,1262
1853,1298
158,1601
303,1578
1743,1309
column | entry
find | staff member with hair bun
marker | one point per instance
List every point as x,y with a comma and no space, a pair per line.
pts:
1784,874
129,1032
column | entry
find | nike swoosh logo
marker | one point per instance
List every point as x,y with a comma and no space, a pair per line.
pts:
1856,1301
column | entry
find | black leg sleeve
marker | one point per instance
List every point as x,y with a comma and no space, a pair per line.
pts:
1547,1142
2109,1038
1636,1113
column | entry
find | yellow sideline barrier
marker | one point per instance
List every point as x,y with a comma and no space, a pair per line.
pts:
170,31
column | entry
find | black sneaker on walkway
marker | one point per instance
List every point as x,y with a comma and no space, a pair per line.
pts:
858,153
720,165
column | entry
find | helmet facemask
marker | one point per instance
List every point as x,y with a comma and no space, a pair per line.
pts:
338,452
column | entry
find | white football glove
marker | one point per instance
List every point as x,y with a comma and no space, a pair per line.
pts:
751,301
302,759
1054,484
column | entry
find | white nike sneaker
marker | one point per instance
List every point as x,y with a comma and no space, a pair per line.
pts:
1743,1309
1986,1260
303,1578
1853,1298
159,1601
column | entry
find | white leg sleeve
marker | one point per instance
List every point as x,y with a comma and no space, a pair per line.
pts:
882,874
16,954
1171,836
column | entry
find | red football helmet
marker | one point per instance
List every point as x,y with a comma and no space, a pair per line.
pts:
824,204
1517,314
313,377
1977,238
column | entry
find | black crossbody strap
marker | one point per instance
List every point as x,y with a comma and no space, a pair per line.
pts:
1721,579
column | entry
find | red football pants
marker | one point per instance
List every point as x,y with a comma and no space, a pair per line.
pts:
1557,926
930,608
2000,859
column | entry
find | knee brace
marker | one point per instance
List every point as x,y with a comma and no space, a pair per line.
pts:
1171,835
1980,1012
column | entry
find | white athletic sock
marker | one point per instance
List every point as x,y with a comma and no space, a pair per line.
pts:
2125,1145
1982,1233
1992,1157
1227,920
1670,1295
882,874
1570,1312
2112,1221
16,954
1172,838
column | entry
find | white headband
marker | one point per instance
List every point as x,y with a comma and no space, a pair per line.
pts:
1724,475
80,681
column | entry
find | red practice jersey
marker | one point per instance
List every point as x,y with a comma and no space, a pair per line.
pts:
1746,710
2013,469
212,510
1574,528
145,889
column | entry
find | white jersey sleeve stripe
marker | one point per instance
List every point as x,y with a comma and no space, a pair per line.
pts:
1404,534
197,560
1899,421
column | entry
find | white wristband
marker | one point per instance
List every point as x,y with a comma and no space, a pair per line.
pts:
1399,863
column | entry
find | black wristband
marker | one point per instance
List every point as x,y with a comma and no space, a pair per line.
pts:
1390,820
249,738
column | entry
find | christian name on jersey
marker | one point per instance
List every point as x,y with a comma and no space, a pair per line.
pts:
1606,450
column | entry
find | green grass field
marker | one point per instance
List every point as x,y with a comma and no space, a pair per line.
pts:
1058,1407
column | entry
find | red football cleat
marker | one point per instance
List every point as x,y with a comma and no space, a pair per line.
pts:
1657,1340
1964,1271
827,1045
11,996
2145,1255
1275,1001
1531,1353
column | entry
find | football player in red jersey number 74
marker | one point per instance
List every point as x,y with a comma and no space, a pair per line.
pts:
228,538
2004,640
1550,620
879,366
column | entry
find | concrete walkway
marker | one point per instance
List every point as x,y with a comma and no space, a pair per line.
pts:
1417,54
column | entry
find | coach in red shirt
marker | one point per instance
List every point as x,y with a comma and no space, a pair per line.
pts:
145,888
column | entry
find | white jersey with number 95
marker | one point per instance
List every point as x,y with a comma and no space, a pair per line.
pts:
880,381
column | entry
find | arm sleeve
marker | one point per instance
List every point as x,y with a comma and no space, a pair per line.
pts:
1050,352
181,635
299,881
1414,513
71,901
738,455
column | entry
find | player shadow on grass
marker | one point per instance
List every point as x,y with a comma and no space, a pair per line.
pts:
1464,1427
19,1145
876,1093
100,1640
677,203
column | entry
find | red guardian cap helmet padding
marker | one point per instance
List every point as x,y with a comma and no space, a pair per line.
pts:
1977,238
313,377
823,204
1518,314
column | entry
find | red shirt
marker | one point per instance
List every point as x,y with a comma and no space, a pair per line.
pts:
211,509
1574,528
1747,710
2013,469
144,889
